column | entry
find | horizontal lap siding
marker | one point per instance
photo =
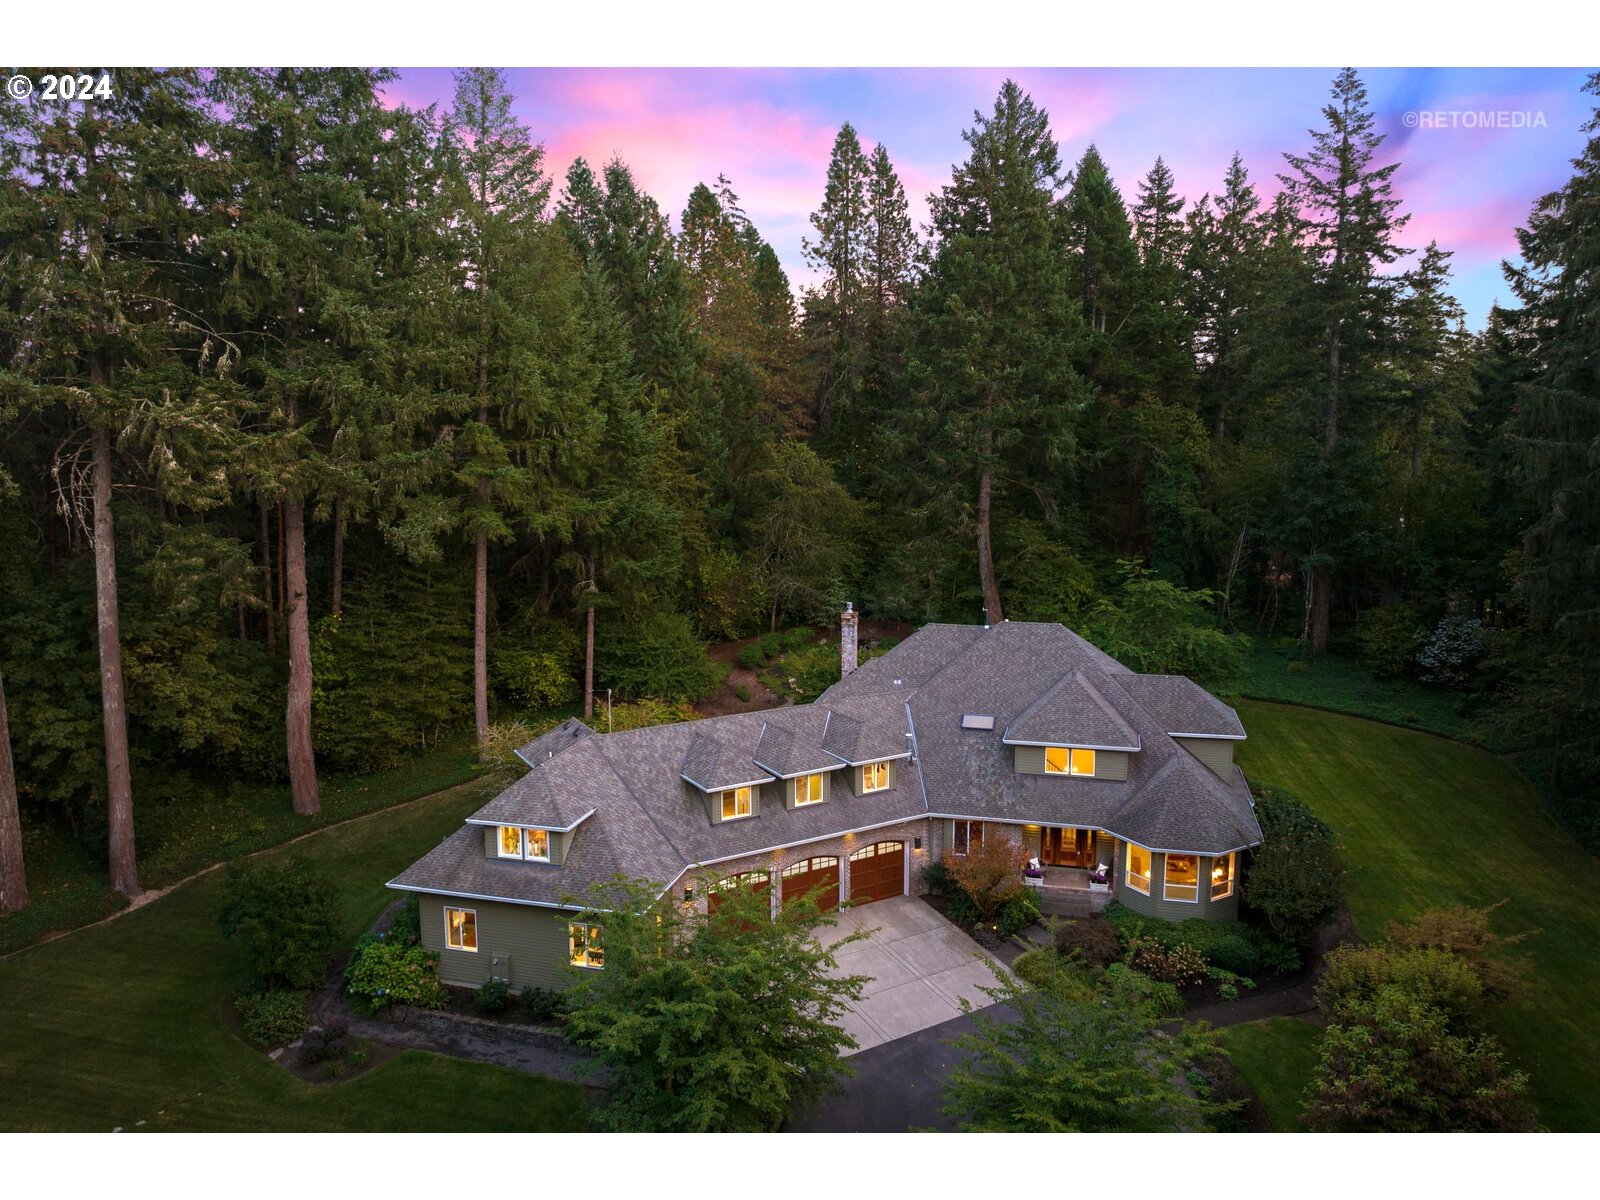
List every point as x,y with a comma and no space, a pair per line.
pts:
1216,753
534,939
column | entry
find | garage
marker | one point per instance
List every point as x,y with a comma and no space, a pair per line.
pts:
820,872
758,882
877,872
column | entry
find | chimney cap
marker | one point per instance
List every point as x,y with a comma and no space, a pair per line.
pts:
849,606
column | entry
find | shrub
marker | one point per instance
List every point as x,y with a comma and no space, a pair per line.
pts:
538,676
1453,651
1130,986
357,1057
1017,913
493,997
989,875
1180,964
752,657
793,639
1294,878
771,645
640,714
285,916
273,1019
326,1045
1093,940
657,656
1227,991
1465,933
809,670
1387,639
543,1004
937,880
1036,967
1276,957
742,692
382,973
406,928
1298,666
960,910
1358,975
1234,952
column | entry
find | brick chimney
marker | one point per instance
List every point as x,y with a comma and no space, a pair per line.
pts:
847,639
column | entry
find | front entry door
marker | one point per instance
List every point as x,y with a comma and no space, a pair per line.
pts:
1067,847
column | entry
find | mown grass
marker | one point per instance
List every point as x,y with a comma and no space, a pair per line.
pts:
1425,822
1276,1056
123,1023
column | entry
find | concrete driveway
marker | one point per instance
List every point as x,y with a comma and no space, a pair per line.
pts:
921,967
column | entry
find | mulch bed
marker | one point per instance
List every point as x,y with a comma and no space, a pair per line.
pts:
337,1070
462,1002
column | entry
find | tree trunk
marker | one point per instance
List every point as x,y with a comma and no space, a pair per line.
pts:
336,601
283,589
480,639
13,881
266,578
588,664
1321,590
297,717
1330,426
119,773
991,591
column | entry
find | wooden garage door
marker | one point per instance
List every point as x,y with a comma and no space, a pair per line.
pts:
877,872
758,881
821,872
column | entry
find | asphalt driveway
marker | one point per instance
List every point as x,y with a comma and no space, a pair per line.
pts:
921,967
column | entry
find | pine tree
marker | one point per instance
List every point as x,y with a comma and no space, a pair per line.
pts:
1349,217
891,250
835,308
996,329
13,879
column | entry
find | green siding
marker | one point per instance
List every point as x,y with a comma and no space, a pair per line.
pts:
1216,753
1108,764
1154,905
530,944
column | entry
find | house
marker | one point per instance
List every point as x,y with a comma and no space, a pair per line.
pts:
957,735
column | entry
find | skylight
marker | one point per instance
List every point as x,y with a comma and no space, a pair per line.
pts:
976,721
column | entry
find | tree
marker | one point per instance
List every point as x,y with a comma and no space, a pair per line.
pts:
805,534
285,918
1076,1058
996,327
1294,877
708,1022
989,873
1158,628
1349,218
840,254
13,879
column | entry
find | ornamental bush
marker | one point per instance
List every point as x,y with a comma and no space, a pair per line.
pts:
493,997
273,1019
1294,878
1036,967
383,972
543,1004
1017,913
1161,999
1093,939
285,917
1180,964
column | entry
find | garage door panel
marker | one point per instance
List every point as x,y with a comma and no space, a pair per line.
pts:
877,872
822,873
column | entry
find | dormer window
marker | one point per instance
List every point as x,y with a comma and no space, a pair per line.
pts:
809,789
875,777
1067,760
735,803
530,844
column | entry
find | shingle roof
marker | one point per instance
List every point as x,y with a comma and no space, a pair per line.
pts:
1033,678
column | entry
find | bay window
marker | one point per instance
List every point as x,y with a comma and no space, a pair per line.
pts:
1181,879
1222,877
1139,869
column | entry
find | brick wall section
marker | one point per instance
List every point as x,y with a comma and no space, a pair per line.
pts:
840,847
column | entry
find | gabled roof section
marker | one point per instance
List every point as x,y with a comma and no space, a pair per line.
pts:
553,741
1072,713
786,753
557,793
712,765
1182,706
866,730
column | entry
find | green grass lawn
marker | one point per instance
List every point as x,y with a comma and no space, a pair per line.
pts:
1276,1056
1425,822
123,1023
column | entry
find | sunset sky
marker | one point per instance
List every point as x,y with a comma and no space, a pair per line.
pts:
770,132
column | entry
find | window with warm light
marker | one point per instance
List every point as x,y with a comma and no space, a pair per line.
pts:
1222,877
808,790
875,777
1139,869
538,845
510,841
1181,879
735,803
967,834
586,948
1065,760
461,929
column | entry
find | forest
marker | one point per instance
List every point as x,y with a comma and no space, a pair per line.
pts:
336,431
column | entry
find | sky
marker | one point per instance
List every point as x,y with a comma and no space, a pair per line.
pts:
1476,146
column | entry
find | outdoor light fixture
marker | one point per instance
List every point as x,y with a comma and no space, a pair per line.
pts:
916,843
688,893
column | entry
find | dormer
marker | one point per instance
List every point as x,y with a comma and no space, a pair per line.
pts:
1071,732
1191,716
726,777
533,844
803,770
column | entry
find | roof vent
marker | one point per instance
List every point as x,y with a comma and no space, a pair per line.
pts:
976,721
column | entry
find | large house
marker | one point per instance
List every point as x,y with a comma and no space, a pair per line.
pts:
959,734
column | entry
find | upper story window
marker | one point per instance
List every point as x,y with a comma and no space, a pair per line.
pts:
808,789
461,929
585,943
1065,760
1181,878
531,844
1139,869
736,803
1222,877
875,777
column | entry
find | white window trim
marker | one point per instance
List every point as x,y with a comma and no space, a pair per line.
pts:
1127,868
586,965
1228,858
472,949
734,792
1070,771
500,842
954,825
527,845
882,787
822,789
1194,899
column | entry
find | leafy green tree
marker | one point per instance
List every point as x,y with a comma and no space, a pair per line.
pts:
805,535
285,918
1294,878
996,325
1076,1058
724,1021
1156,627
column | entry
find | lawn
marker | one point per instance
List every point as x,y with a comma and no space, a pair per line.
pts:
122,1024
1276,1056
1425,822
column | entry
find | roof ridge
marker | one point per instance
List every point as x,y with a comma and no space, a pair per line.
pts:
666,840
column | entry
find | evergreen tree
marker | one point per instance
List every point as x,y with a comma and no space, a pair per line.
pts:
13,878
891,251
839,253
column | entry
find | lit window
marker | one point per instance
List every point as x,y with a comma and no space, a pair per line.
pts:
1063,760
735,803
1139,869
875,777
808,790
510,841
538,842
586,948
968,833
461,929
1182,878
1222,877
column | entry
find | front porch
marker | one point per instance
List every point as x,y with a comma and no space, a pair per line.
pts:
1066,893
